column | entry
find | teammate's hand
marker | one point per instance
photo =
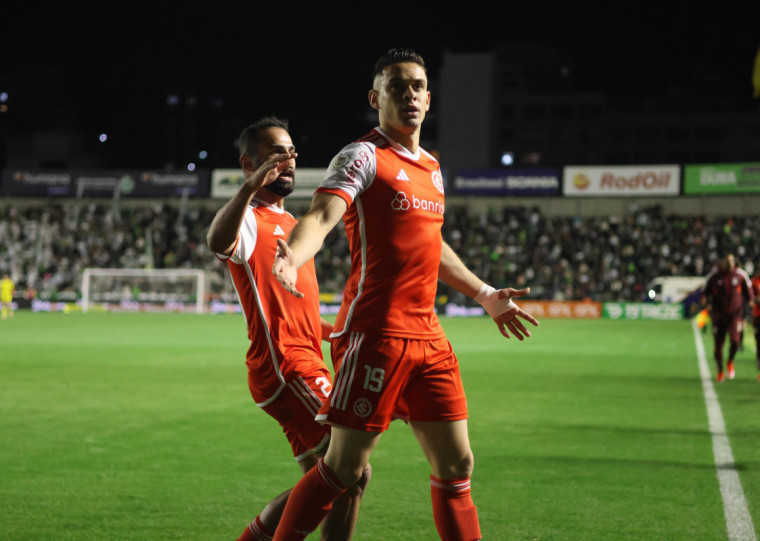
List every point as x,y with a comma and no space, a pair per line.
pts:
508,321
327,329
269,170
284,269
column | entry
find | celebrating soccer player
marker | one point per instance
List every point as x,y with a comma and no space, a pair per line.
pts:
287,376
392,355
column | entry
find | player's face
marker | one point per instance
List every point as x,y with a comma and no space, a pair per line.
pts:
401,96
273,141
728,263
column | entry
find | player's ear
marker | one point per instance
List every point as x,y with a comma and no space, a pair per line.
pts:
247,163
373,99
427,106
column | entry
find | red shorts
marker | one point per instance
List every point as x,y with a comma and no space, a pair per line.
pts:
382,377
295,408
732,326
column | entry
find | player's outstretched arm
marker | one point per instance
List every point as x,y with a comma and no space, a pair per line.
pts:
498,303
306,238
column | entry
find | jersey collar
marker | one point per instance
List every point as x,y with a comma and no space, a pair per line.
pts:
273,208
398,147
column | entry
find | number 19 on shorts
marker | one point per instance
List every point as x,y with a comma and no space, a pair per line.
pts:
373,378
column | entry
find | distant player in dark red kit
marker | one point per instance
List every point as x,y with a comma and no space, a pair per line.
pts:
756,317
726,290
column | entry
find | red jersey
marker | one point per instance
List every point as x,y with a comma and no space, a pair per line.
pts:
285,331
727,291
393,222
756,292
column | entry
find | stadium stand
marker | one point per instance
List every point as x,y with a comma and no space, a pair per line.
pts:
603,258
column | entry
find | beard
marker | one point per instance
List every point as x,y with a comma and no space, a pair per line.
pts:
281,188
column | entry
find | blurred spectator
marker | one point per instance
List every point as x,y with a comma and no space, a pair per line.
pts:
7,289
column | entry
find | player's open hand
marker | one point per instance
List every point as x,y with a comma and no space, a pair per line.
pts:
284,268
272,168
509,322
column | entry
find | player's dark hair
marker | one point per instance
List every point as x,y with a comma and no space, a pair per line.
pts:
249,137
397,56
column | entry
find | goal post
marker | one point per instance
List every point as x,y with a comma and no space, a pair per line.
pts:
175,290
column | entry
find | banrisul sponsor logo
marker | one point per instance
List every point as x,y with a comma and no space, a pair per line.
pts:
402,202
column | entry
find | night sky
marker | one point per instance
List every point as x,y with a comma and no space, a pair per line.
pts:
109,67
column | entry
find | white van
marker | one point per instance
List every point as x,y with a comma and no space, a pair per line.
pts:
673,288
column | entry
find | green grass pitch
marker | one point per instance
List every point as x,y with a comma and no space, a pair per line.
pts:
140,427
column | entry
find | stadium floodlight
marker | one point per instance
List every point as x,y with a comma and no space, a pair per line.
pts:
161,290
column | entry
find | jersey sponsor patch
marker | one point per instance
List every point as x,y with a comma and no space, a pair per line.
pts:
340,161
402,175
400,202
278,231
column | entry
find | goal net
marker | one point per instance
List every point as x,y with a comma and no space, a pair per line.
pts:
135,290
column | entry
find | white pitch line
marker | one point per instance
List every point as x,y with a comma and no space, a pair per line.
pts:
738,519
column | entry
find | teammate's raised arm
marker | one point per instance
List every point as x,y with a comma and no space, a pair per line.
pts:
284,359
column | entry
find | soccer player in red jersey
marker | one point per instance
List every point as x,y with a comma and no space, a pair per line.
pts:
726,290
287,375
392,355
756,317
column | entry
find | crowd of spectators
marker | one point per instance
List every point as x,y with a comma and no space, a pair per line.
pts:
45,248
603,258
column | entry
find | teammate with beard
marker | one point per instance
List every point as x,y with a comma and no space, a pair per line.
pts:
287,375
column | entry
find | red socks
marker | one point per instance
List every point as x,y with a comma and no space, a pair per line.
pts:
456,517
308,503
256,531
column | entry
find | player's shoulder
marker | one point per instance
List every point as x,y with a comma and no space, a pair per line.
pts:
743,274
373,138
361,151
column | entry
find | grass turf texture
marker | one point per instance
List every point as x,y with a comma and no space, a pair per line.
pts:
140,427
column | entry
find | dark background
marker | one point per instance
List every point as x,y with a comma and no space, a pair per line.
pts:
166,79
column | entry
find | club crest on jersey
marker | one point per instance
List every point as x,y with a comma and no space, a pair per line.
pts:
438,180
278,231
362,407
